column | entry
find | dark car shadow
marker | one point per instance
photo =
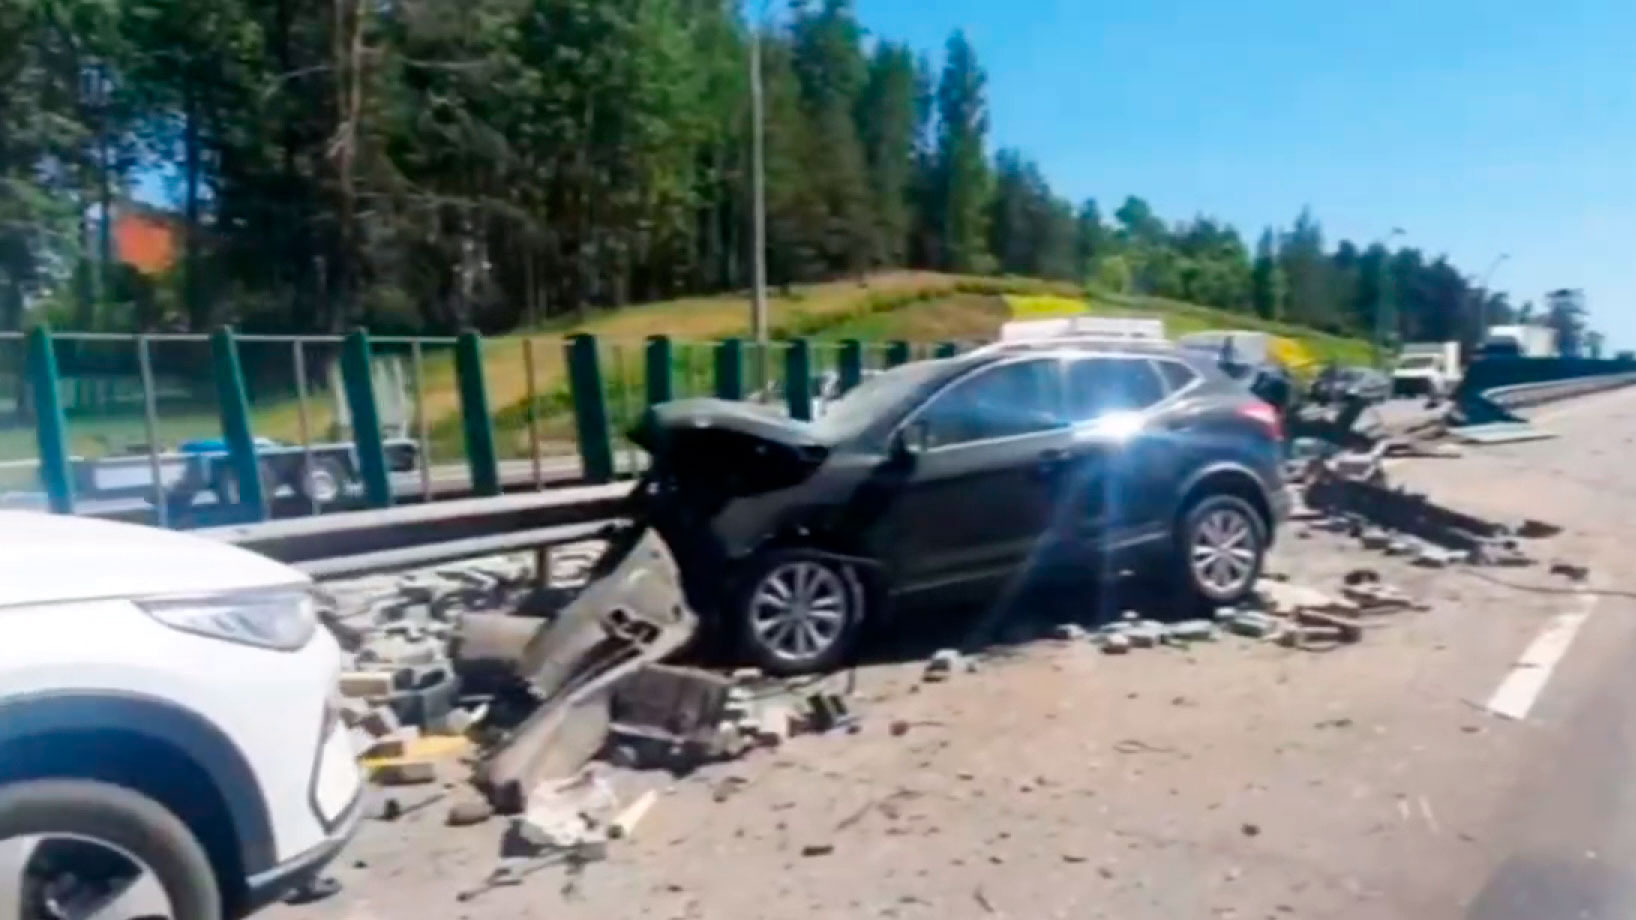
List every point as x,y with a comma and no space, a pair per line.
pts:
1007,618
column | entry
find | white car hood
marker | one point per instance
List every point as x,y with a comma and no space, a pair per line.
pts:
47,558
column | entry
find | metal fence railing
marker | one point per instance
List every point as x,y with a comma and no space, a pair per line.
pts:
193,429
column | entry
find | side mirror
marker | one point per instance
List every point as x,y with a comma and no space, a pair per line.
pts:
910,441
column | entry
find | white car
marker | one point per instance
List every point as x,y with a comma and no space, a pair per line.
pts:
169,744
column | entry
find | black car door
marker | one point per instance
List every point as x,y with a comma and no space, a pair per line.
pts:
988,459
1124,455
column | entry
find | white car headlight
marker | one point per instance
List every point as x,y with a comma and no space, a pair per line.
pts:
281,619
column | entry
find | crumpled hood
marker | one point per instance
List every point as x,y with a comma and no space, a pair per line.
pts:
746,447
48,558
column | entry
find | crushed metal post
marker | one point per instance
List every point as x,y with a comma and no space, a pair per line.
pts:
632,615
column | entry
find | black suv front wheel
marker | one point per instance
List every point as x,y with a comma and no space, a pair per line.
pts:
797,612
1223,543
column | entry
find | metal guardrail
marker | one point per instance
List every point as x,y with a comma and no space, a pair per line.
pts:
1523,395
418,535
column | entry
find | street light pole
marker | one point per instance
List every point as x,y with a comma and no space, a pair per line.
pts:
1383,306
1482,295
758,193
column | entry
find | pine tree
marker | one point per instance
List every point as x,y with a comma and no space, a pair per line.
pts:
1269,288
962,178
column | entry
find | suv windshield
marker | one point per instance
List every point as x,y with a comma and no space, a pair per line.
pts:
861,406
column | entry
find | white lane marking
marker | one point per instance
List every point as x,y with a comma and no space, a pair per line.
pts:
1528,677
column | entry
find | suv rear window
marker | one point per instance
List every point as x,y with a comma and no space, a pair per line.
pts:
1176,374
1097,386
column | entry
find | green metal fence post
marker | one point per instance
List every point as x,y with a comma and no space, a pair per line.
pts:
50,428
661,381
358,376
850,364
590,408
475,423
730,369
946,350
897,352
798,379
234,405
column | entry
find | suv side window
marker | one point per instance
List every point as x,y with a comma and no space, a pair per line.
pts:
1176,374
1005,401
1097,386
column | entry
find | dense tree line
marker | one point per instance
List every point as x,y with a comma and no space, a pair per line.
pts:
428,164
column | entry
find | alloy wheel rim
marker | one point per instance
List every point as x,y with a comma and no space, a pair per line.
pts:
72,877
798,610
1223,551
322,486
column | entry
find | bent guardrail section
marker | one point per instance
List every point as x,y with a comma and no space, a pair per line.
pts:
1495,386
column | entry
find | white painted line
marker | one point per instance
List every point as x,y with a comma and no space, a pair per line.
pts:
1528,677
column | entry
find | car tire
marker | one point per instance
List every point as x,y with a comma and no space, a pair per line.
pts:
321,482
66,827
227,488
796,612
1222,545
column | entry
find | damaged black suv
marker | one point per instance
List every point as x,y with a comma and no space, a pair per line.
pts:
961,473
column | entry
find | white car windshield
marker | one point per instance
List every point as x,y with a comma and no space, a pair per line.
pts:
1417,363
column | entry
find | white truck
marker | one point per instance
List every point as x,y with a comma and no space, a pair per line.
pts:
1428,369
1524,340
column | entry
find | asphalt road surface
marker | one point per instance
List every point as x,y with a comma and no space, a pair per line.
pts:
1476,759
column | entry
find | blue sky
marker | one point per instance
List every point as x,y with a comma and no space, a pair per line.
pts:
1479,126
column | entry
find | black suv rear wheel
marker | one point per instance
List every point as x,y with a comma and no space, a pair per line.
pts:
1222,544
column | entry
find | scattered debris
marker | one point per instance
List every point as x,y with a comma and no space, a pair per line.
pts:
1191,631
1361,576
468,812
1537,530
1252,624
564,815
1070,632
942,664
1145,634
624,824
818,849
405,774
1570,571
314,890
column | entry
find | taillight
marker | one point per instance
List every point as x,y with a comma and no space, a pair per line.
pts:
1265,414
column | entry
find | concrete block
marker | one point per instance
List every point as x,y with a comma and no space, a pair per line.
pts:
942,663
1069,632
405,774
1117,643
773,724
352,711
380,721
1191,631
1145,634
1253,625
366,684
394,745
467,812
678,700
